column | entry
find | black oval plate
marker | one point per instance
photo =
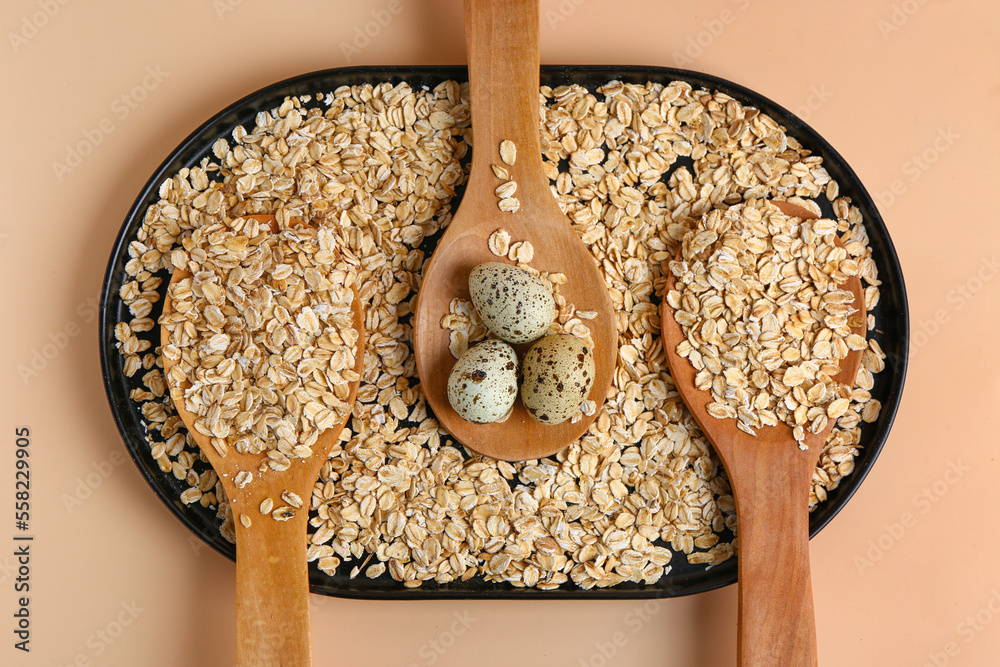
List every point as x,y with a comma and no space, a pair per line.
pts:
891,319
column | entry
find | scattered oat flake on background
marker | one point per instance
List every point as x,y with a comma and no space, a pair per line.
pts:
509,204
499,242
508,151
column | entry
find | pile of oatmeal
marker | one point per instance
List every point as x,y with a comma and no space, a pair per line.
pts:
263,344
378,168
762,301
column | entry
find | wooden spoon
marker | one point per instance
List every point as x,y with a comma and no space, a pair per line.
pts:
771,479
503,46
272,579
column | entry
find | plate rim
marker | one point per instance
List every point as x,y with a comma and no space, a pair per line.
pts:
711,577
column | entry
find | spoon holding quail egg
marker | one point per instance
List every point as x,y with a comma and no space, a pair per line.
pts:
477,404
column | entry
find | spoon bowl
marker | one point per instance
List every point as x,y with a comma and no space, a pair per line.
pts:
272,580
771,479
503,47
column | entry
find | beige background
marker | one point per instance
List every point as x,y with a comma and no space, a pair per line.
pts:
907,91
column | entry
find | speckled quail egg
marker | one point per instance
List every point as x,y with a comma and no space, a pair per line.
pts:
482,386
515,305
557,375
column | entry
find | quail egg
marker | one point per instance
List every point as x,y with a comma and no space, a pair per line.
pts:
482,386
557,375
515,305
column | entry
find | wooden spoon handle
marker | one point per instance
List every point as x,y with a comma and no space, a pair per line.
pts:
272,592
502,42
777,624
